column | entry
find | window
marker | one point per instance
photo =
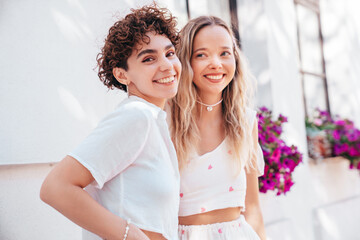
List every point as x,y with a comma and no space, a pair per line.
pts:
311,55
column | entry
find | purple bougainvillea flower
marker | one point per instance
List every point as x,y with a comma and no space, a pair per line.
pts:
353,135
289,164
268,184
263,109
275,157
280,159
282,118
288,184
337,150
353,152
340,122
344,147
336,134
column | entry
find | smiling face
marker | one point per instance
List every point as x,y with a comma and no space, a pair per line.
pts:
212,62
153,70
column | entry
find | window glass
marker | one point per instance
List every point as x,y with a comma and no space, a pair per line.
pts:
309,40
314,93
219,8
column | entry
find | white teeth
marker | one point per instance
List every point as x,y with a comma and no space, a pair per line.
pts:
166,80
214,77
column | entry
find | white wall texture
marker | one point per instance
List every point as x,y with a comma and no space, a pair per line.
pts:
341,30
51,98
268,31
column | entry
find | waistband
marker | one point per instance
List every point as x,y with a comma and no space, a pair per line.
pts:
233,223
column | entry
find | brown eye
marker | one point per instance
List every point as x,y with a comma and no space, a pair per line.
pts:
226,53
148,59
170,54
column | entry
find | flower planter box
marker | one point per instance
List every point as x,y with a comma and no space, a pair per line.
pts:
318,144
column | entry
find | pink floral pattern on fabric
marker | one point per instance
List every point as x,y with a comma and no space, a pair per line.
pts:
202,210
229,152
231,189
181,195
210,167
220,231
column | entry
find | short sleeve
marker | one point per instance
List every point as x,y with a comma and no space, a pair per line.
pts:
260,160
114,144
251,114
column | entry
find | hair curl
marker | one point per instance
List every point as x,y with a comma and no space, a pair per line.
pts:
126,33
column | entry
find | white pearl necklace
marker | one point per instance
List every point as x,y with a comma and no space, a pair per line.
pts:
209,107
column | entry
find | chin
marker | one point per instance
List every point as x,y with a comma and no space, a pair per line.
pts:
172,93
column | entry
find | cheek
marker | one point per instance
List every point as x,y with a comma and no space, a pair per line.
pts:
231,66
177,65
197,68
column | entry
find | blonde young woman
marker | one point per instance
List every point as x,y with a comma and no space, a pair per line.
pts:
215,135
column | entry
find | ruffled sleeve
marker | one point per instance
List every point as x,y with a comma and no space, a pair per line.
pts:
260,160
260,163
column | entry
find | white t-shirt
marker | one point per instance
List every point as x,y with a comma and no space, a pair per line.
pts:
134,164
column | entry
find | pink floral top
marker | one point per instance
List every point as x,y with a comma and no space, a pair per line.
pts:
209,182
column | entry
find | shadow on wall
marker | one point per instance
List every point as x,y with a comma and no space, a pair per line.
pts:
61,96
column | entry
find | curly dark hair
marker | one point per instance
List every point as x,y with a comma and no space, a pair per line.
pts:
126,33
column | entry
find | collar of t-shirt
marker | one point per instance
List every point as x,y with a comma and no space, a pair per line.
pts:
155,110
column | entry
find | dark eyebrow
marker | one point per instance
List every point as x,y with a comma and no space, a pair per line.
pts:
146,51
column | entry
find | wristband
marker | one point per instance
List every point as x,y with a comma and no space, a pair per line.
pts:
127,228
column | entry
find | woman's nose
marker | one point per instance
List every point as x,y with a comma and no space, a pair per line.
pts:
165,64
215,63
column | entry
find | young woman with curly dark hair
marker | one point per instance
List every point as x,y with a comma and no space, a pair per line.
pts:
128,163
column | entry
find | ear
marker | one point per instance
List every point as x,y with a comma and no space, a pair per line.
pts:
120,75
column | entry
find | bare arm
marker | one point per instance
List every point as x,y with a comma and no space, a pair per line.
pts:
253,213
63,190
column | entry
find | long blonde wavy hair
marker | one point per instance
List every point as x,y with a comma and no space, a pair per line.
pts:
236,95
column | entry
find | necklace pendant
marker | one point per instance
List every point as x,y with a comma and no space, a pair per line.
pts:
209,108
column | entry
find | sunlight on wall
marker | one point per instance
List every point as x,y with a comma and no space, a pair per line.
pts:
76,3
71,103
280,38
328,224
73,29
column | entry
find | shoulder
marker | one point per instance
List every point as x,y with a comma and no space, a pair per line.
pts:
129,116
136,111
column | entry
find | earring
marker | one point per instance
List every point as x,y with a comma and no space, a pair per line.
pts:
126,88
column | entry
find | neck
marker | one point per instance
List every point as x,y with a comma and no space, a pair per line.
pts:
159,102
209,105
204,113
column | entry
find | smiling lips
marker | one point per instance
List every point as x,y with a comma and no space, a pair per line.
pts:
166,80
215,77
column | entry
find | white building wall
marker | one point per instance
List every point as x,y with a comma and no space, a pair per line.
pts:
22,214
253,28
51,98
341,30
268,32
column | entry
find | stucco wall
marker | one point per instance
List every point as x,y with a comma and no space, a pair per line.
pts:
341,30
51,99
